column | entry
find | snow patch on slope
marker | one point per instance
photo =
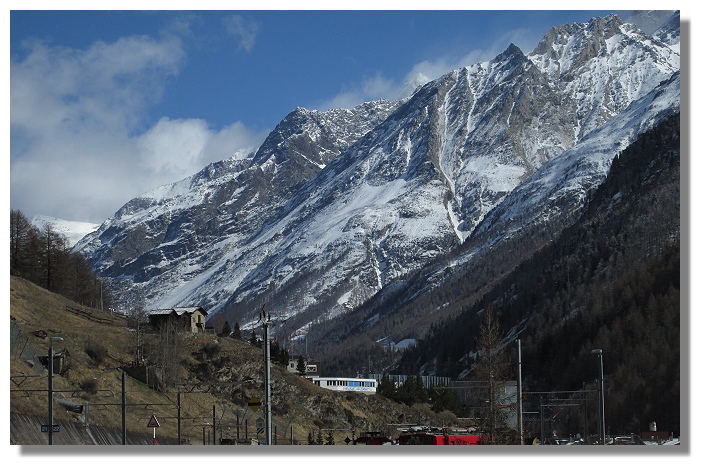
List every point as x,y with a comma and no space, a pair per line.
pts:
73,231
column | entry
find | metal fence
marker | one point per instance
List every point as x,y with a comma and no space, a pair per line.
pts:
428,380
21,347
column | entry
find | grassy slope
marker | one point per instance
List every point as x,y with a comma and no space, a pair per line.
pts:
298,405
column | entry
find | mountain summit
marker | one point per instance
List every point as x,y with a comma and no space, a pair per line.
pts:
337,205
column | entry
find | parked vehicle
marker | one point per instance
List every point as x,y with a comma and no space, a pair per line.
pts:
441,437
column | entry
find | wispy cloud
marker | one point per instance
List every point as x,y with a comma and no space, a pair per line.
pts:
81,145
243,29
370,88
175,148
378,86
646,20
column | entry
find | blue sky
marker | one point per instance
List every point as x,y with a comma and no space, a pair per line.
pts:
106,105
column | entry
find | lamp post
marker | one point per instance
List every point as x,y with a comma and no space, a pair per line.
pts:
237,416
267,385
179,389
51,386
520,407
602,397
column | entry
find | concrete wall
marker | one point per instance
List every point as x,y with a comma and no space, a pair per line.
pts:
26,430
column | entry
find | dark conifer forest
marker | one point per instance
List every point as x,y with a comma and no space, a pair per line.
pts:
610,281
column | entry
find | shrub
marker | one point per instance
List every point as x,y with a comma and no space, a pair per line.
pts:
96,351
90,386
211,349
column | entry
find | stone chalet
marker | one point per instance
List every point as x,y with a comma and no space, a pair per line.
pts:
190,319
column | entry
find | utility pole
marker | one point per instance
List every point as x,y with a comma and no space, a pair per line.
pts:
178,412
541,410
585,413
601,398
124,412
492,411
267,379
520,407
50,387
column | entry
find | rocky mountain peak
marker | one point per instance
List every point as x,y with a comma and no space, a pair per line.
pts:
335,205
511,50
568,47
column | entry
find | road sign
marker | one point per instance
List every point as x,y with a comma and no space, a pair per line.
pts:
45,428
153,423
260,425
254,404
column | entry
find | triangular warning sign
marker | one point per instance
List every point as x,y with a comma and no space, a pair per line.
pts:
153,423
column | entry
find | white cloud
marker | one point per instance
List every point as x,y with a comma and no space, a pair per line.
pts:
175,148
646,20
80,144
370,88
107,85
224,142
379,86
244,30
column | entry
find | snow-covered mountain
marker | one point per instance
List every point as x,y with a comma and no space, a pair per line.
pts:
336,205
73,231
170,240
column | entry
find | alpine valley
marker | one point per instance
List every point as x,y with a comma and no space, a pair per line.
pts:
402,220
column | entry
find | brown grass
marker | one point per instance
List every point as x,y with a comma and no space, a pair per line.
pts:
100,343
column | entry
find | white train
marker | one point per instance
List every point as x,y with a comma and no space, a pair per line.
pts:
343,384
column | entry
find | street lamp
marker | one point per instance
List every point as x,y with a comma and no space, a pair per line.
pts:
602,397
179,390
237,417
51,386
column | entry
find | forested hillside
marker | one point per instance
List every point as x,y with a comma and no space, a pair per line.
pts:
44,257
610,281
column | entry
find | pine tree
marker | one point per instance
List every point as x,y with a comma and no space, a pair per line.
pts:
301,366
443,399
225,331
386,387
421,392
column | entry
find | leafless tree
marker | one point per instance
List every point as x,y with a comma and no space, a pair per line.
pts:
492,367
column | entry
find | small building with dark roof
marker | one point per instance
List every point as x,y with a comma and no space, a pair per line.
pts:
189,319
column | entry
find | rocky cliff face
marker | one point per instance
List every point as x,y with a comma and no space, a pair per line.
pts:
336,205
602,66
171,235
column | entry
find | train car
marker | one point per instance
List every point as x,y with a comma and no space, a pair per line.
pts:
344,384
373,439
440,437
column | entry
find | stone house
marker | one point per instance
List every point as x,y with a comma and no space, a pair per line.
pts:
188,319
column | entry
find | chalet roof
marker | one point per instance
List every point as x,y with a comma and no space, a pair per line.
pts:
190,310
178,311
161,311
